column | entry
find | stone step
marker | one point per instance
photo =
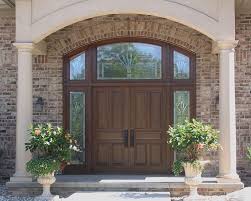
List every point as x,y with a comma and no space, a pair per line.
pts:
69,184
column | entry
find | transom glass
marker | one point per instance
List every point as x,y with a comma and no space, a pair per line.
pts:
128,61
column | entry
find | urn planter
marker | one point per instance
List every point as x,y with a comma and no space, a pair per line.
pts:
46,181
193,178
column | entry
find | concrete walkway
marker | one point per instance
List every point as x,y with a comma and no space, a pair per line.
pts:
132,196
119,196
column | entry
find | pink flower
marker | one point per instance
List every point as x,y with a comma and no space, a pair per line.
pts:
37,132
200,146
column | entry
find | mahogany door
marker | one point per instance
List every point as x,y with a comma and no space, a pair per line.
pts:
129,129
111,122
148,136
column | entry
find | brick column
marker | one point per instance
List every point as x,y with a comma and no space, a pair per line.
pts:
24,109
227,156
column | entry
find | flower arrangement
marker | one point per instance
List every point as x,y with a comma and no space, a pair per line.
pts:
51,149
191,139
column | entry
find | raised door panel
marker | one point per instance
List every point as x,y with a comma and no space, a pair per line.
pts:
111,119
101,109
147,120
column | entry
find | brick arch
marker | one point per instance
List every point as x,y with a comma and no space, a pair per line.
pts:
120,26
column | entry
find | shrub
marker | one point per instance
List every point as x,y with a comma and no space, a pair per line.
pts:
191,139
42,166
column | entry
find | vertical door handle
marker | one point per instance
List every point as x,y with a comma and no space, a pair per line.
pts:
126,137
132,138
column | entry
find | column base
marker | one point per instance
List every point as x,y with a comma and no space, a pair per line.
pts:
230,178
21,179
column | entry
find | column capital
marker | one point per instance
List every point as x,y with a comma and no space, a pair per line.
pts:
226,44
24,46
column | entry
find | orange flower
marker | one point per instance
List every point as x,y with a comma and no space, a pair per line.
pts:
37,132
200,146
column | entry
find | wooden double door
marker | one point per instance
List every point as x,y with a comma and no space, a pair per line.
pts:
129,129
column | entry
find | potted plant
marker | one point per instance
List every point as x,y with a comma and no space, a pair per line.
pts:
51,148
190,140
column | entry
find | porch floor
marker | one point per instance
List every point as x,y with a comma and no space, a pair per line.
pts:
69,184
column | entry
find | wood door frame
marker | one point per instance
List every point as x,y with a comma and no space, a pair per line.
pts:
167,81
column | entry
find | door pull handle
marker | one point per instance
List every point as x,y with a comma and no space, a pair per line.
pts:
126,137
132,138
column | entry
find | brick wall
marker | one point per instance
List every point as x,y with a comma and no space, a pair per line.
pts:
243,94
8,73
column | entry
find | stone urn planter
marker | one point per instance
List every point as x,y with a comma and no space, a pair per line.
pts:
46,181
193,178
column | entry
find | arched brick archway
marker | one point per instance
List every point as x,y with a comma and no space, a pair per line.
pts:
118,26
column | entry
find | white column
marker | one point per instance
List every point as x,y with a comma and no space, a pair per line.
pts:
227,156
24,109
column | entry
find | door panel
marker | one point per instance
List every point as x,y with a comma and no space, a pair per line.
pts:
147,119
111,119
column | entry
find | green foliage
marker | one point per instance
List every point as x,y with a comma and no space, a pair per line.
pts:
42,166
177,167
191,139
249,153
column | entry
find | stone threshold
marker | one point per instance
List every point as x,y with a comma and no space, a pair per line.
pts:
68,184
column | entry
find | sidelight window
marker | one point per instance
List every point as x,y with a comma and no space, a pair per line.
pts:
77,123
181,106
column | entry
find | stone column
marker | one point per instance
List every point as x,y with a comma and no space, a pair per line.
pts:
227,123
24,109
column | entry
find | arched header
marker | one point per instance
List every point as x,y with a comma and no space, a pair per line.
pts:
213,24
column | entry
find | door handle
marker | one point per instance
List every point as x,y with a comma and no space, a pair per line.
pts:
126,137
132,138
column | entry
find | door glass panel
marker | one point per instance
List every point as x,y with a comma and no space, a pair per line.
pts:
77,124
181,106
181,65
128,61
77,67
